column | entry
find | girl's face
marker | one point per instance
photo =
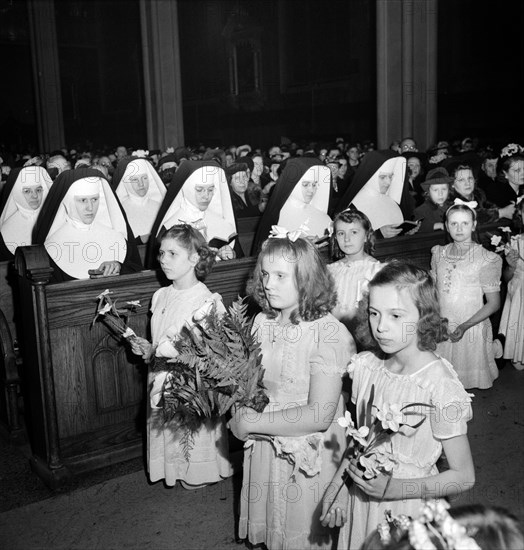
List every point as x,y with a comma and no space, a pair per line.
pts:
438,193
384,182
393,317
203,194
278,279
140,184
258,165
176,261
515,174
33,195
309,188
239,181
460,225
351,238
464,183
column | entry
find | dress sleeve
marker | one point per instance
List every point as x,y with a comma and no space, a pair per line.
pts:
491,271
452,405
334,350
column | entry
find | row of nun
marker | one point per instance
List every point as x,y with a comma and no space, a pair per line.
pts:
90,228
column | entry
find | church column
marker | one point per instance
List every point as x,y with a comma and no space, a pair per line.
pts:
406,71
46,73
161,58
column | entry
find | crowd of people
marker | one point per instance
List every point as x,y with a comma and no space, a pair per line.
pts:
407,338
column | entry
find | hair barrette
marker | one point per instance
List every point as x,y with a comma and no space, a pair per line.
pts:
278,232
469,204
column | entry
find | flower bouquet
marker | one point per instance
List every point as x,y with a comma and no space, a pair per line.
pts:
115,318
218,365
369,447
434,525
505,242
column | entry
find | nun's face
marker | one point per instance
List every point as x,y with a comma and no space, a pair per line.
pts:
203,194
33,195
309,188
384,182
87,207
140,184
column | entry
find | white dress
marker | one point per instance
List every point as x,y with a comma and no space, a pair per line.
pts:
512,320
276,508
461,286
351,280
417,452
209,458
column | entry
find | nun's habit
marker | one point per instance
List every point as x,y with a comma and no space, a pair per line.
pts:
18,213
391,208
141,211
217,222
287,206
75,247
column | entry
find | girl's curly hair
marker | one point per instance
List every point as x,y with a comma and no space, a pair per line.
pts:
193,241
352,215
316,288
431,327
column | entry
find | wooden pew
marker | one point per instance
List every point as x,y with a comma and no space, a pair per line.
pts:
84,392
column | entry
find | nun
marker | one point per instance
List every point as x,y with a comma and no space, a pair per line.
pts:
84,228
141,192
380,190
300,198
22,199
199,196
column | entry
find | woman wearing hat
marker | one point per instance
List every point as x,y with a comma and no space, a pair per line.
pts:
84,228
436,190
238,179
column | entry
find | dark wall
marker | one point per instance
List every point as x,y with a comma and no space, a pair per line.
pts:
315,61
481,70
100,55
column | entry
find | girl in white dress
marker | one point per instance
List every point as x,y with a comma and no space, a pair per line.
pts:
405,324
186,260
304,352
468,281
352,243
512,320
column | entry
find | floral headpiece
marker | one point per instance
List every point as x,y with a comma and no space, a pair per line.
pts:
140,153
512,149
278,232
434,520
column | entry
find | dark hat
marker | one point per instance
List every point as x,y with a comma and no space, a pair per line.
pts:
470,159
234,168
436,176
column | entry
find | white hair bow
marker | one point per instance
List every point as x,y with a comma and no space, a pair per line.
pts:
278,232
469,204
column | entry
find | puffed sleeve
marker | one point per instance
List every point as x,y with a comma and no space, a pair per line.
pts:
335,346
452,403
491,271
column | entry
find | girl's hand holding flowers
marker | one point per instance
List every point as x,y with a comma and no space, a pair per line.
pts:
375,487
141,346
